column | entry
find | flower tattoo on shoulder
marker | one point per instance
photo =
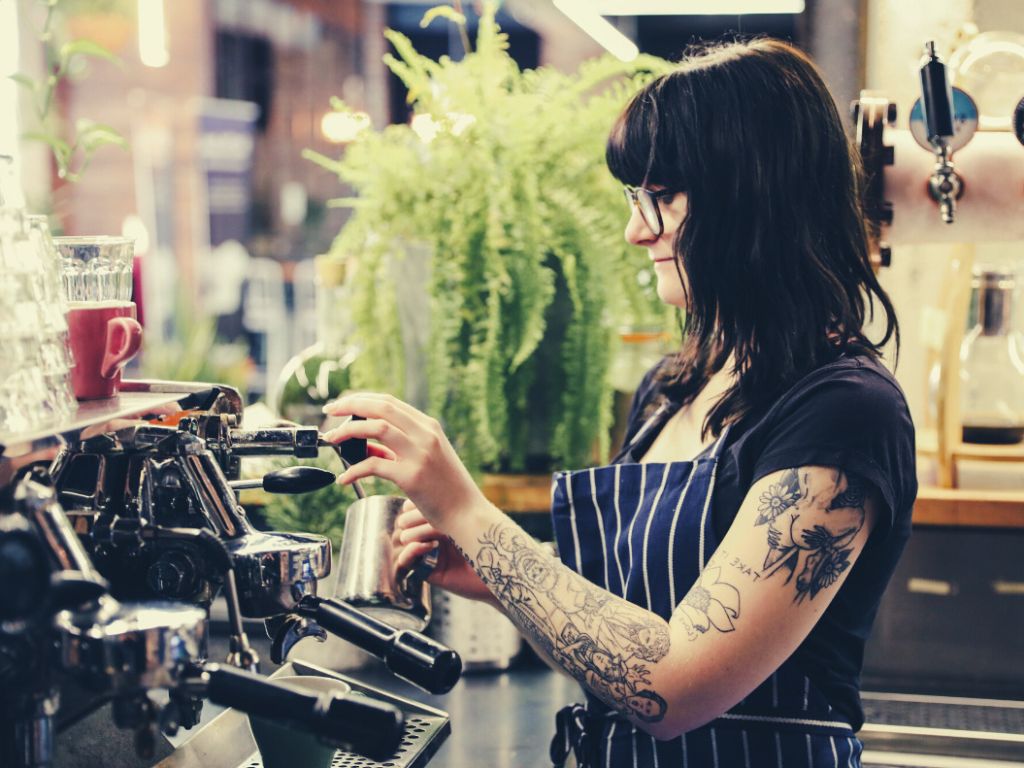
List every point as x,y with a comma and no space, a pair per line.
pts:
777,499
813,543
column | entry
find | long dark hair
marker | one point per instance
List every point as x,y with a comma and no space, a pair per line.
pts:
773,246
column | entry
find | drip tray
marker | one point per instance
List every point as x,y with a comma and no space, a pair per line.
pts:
226,741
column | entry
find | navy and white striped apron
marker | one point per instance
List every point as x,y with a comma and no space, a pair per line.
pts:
643,531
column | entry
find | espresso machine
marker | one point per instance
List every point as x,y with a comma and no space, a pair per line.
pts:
156,508
119,530
68,647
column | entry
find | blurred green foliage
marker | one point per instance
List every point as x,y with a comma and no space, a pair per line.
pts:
195,354
72,146
530,279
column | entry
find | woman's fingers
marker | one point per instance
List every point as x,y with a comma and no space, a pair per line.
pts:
382,451
379,430
412,552
386,469
373,405
409,516
422,532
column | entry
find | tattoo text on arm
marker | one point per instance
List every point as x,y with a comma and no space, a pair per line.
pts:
603,641
813,516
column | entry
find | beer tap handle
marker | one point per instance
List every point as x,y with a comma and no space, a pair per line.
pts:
944,185
352,722
410,655
937,98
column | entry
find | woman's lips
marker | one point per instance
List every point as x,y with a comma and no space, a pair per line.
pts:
662,261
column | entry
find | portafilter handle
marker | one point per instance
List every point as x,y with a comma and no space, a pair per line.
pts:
410,655
356,723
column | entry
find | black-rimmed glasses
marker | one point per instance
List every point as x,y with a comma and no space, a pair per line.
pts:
646,201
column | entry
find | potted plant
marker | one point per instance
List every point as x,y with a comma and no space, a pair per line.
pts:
498,195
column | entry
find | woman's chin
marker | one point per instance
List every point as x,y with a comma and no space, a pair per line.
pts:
672,294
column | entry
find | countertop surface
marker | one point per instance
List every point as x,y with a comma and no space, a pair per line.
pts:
506,720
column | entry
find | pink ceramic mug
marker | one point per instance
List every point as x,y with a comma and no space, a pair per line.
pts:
104,336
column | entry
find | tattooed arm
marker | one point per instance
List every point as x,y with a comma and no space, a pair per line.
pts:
792,544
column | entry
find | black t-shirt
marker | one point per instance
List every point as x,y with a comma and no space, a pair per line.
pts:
850,414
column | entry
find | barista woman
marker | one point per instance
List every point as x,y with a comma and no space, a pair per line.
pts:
718,580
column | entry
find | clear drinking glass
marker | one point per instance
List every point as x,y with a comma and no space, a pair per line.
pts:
96,267
35,358
992,364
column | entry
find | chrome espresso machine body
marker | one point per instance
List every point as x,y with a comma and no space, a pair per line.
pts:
155,506
68,648
152,520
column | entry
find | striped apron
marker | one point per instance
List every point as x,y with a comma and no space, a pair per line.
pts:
643,531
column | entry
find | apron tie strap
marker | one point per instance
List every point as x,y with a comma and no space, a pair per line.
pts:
572,724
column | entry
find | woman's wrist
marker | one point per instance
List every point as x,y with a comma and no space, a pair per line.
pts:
468,525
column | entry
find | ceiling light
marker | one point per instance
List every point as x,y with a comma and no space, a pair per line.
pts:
153,33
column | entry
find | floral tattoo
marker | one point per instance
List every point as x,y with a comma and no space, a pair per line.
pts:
813,517
603,641
709,603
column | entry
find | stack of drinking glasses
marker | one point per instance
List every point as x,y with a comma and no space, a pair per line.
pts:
97,275
35,356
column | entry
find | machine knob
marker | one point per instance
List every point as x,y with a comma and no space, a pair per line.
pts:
173,575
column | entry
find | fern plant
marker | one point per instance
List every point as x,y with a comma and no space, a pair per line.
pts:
529,276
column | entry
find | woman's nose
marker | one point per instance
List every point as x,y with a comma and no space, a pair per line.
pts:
637,230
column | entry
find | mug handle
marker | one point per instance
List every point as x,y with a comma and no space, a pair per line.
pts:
124,337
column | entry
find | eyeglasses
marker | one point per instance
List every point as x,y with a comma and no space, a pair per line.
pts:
646,201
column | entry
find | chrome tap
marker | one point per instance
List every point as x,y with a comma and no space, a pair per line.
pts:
944,185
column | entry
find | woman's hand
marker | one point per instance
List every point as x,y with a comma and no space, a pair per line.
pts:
412,452
414,538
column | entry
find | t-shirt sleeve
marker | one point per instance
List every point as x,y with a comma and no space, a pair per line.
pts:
856,420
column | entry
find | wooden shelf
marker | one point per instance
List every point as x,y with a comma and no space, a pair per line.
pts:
969,508
928,445
519,493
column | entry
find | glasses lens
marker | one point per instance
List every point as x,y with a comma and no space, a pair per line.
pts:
649,210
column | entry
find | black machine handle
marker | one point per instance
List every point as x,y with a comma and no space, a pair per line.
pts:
352,722
297,479
936,97
410,655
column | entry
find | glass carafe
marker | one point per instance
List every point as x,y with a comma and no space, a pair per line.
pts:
320,372
992,363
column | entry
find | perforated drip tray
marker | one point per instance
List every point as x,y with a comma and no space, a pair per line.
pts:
226,742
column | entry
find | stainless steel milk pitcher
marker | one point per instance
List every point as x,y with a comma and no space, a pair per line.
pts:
367,576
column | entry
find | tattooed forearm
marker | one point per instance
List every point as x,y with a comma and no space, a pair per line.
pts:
605,642
813,516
